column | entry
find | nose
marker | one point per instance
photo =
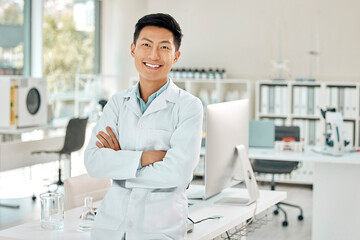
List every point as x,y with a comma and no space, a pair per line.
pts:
153,54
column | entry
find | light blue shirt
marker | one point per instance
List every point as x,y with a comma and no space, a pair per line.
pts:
143,105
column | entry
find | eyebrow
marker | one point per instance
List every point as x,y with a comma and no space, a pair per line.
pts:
165,41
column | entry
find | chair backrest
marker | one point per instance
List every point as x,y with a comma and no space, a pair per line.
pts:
278,167
285,131
75,135
79,187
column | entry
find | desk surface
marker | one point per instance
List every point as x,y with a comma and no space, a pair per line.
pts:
233,216
308,155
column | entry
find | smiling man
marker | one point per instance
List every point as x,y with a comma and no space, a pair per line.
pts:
148,141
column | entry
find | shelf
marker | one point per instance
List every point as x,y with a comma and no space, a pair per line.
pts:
270,115
311,117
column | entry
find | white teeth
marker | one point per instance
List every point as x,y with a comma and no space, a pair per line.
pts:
152,66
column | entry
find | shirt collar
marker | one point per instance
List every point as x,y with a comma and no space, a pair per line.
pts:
154,95
172,92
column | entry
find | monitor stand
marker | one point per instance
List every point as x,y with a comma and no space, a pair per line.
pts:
249,178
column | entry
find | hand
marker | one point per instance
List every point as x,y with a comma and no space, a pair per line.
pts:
108,141
150,157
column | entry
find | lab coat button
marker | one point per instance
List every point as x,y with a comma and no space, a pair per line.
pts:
130,224
134,196
141,125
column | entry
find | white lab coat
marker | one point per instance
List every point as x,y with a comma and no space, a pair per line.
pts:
149,203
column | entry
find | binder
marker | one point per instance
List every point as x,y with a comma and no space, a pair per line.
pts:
271,107
279,122
296,100
353,101
285,99
303,100
311,132
310,101
277,100
340,100
334,98
328,97
264,99
317,106
347,102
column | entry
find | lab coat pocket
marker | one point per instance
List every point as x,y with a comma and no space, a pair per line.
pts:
163,212
112,212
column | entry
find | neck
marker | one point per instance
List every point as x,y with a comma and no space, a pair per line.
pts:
149,87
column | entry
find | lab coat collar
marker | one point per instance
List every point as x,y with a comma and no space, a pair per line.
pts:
159,103
132,102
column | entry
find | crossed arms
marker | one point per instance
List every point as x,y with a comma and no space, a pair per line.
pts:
109,140
105,158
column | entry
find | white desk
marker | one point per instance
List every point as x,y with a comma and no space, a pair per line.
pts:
336,191
15,152
233,216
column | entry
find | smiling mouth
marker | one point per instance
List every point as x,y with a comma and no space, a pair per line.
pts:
152,66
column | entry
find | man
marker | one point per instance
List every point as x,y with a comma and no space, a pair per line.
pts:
148,141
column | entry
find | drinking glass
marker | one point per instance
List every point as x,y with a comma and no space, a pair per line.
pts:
52,211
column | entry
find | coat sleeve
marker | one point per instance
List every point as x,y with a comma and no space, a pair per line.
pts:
105,162
176,169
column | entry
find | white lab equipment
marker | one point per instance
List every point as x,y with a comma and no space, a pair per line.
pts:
87,216
335,142
23,102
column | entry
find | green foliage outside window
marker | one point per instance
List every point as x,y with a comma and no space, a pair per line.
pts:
66,52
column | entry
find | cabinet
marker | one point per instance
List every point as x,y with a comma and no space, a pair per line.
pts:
292,103
212,91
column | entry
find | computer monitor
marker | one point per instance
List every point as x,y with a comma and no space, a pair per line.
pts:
226,161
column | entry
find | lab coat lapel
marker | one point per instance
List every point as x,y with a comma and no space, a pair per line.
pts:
158,104
131,101
161,102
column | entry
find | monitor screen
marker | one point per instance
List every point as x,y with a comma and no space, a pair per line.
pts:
227,126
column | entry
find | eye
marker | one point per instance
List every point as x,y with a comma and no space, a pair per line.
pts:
146,44
164,47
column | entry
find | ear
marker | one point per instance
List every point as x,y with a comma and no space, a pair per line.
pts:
132,49
177,55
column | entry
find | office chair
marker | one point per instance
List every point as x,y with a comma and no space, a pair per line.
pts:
74,140
280,167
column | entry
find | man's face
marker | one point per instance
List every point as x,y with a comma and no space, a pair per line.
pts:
154,53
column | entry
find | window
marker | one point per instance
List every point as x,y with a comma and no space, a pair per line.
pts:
69,49
12,41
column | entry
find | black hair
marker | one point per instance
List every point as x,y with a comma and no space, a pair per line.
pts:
161,20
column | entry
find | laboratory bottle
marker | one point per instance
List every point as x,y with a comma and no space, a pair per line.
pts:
88,215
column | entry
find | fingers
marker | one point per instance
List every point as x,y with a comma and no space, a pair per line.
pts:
104,139
113,137
108,140
99,145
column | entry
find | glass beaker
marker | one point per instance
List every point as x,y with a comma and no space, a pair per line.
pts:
52,210
88,215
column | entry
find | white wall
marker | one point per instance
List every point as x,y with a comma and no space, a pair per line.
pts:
243,35
117,27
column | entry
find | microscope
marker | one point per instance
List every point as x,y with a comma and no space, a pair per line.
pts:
334,134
